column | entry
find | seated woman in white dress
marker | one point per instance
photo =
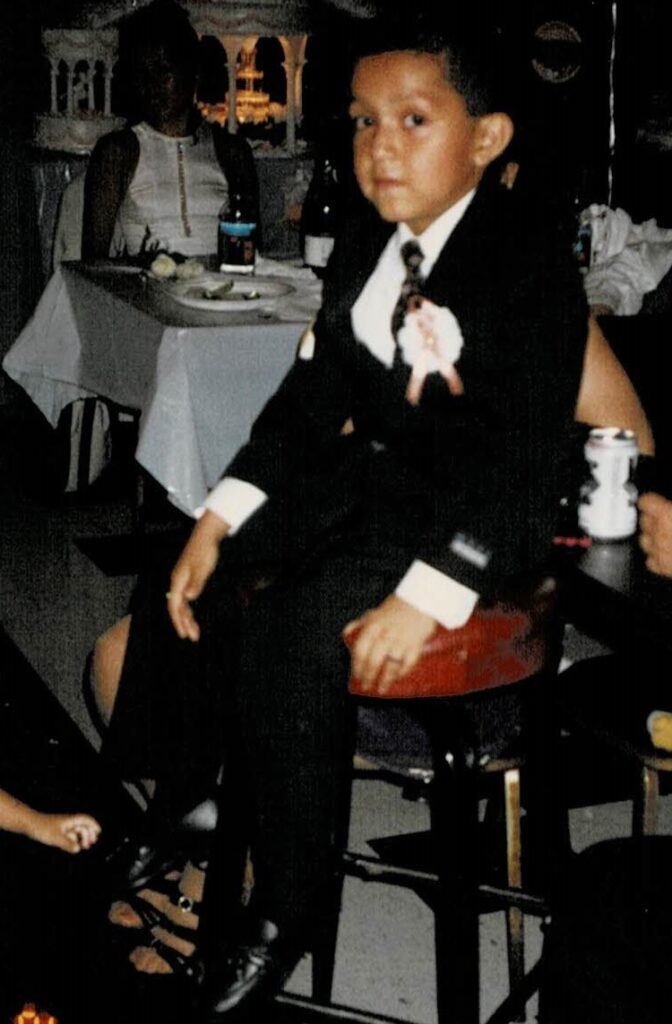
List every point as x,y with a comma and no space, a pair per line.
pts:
160,183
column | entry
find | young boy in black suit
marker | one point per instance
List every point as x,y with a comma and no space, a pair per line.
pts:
452,338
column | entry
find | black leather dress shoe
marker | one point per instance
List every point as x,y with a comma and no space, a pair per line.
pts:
136,861
252,971
133,863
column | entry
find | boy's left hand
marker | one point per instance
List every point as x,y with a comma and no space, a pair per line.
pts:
389,644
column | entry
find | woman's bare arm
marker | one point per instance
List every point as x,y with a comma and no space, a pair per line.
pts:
111,167
607,397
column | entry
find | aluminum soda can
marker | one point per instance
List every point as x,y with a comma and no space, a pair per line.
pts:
608,499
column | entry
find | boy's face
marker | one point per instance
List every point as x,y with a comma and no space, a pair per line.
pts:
417,150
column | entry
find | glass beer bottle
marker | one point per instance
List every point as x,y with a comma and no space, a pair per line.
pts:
320,216
236,235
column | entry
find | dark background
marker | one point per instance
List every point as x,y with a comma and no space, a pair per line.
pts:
567,122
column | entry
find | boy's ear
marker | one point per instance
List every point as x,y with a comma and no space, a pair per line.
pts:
493,134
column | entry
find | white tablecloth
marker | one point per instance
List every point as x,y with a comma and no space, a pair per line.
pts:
198,378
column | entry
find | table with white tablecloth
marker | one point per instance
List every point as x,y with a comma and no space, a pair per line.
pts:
199,378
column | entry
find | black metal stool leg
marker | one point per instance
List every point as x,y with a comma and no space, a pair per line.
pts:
325,935
324,945
454,809
547,839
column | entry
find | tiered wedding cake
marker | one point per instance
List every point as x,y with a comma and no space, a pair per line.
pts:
82,65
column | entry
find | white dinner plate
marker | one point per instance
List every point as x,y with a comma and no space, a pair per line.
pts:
210,292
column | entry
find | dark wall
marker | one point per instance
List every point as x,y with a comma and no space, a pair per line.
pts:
643,166
562,49
566,114
20,66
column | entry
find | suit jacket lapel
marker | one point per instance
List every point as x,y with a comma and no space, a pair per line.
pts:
360,249
461,261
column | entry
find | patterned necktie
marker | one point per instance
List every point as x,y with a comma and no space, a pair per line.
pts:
412,255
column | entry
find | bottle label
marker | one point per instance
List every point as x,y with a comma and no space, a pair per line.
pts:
236,228
236,246
317,250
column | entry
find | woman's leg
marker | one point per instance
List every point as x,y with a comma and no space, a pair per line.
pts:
107,664
108,660
109,652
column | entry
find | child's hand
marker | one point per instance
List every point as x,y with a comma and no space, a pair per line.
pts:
192,571
69,832
389,644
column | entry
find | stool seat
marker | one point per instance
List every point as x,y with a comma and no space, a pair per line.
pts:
502,642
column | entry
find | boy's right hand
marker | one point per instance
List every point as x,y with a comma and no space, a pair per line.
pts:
192,571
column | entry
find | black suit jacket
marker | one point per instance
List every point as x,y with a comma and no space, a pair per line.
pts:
478,476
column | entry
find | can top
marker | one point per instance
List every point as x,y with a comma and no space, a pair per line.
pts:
610,436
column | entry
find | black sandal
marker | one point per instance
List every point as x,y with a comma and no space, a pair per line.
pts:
189,967
181,964
149,915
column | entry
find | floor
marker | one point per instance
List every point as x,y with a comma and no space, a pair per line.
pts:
54,601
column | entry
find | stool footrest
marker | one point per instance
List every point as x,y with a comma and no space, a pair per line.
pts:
307,1010
372,869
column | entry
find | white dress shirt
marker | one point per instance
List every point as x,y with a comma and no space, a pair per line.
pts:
427,589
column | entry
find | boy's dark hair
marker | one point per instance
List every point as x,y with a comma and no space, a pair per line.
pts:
473,51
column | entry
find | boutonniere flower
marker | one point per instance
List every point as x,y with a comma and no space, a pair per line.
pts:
431,342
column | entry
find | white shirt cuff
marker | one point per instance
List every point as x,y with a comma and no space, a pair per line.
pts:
234,501
438,595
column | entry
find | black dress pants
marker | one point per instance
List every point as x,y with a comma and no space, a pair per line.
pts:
293,726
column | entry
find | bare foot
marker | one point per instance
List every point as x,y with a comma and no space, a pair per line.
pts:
147,959
69,832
